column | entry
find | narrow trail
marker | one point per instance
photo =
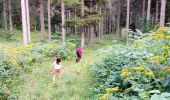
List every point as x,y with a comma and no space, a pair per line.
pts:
74,83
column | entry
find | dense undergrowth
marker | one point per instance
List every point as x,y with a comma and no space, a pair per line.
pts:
16,60
138,71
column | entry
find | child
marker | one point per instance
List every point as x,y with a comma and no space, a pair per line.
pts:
79,53
57,67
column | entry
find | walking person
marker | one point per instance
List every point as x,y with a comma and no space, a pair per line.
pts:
57,67
79,52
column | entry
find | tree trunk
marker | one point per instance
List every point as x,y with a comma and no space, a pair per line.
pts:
148,12
91,35
24,22
82,29
42,19
162,16
5,14
10,17
157,11
143,9
75,27
127,19
118,18
143,13
49,20
63,20
28,21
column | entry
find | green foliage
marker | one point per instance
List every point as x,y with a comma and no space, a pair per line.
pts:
81,22
5,35
133,69
15,61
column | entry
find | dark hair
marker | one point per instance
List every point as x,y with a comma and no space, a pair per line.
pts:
58,60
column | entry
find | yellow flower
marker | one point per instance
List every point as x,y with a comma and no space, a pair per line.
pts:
137,43
162,30
149,73
157,59
158,36
138,69
168,37
108,90
165,47
104,97
125,72
115,88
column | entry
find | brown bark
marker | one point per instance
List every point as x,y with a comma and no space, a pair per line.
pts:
157,11
42,19
127,19
118,30
143,8
82,29
91,35
63,20
28,21
10,16
5,14
24,22
148,12
162,16
49,20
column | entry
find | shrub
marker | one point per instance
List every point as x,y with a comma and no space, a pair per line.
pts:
14,61
135,69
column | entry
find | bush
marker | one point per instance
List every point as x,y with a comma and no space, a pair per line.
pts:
15,60
134,71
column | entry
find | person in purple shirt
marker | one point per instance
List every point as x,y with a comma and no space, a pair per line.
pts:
79,52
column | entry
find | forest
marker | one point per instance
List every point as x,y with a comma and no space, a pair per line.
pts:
84,49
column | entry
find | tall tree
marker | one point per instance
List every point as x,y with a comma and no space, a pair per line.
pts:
28,21
127,19
148,12
157,11
118,30
5,14
82,29
10,16
63,20
42,19
49,20
24,22
162,16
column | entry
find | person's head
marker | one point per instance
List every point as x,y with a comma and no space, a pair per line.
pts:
58,59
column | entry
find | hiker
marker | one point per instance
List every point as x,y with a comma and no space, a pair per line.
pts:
57,67
79,52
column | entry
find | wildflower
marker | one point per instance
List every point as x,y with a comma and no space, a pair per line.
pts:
165,47
162,30
149,73
168,37
104,97
138,69
108,90
158,36
115,88
157,59
125,72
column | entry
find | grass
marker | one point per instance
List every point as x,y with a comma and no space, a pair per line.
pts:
75,82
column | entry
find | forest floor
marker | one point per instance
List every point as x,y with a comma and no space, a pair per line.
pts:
75,82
